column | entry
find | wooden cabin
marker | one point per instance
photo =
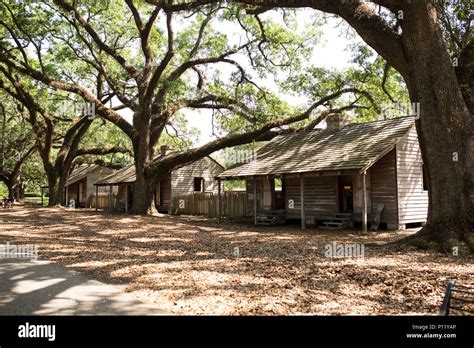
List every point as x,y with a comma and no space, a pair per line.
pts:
199,176
80,184
340,174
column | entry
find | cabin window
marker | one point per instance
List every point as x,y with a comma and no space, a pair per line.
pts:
425,178
198,184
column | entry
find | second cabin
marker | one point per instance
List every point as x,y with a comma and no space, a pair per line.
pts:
196,177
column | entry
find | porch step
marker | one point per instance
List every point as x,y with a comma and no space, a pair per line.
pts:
331,227
271,217
334,224
336,220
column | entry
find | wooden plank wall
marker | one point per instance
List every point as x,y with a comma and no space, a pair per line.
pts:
249,188
233,204
320,195
103,201
412,199
383,183
166,182
182,179
358,193
96,175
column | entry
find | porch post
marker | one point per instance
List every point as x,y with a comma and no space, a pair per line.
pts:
110,199
96,196
364,202
126,198
67,196
254,200
303,216
219,199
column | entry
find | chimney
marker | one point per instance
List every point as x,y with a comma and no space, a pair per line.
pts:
336,121
164,149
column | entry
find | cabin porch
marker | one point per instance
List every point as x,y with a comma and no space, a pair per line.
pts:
335,199
76,194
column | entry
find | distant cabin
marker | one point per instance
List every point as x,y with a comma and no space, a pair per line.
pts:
198,176
345,170
79,186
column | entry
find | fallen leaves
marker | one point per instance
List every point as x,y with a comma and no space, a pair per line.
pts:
188,264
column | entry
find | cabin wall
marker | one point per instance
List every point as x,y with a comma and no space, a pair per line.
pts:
182,179
96,175
412,199
320,195
163,194
87,186
383,181
76,192
250,199
265,194
358,193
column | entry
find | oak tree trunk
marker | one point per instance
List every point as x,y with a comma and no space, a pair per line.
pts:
56,184
143,193
445,130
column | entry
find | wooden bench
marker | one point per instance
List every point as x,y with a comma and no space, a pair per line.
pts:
458,299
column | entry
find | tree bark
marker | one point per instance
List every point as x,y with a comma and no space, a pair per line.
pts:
445,129
143,193
11,191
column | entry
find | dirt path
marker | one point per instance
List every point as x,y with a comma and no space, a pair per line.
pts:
29,287
189,265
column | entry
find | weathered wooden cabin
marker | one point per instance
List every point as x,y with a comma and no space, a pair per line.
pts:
199,176
340,174
80,184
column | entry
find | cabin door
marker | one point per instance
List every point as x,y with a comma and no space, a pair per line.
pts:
346,194
267,194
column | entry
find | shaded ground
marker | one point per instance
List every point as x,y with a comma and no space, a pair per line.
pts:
188,265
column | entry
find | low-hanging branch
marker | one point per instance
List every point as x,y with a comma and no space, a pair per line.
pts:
101,151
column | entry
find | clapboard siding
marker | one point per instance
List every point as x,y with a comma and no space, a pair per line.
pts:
182,179
383,184
412,199
163,194
96,175
358,193
88,188
250,201
320,195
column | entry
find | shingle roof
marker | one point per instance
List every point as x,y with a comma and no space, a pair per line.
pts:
122,176
126,175
356,146
80,173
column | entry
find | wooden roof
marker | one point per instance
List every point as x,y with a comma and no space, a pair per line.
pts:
355,146
127,175
81,172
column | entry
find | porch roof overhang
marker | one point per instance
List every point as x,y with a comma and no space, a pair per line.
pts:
354,171
351,150
123,176
80,173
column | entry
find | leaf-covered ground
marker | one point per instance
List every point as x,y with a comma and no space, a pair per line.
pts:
188,265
